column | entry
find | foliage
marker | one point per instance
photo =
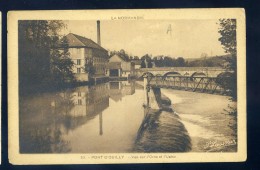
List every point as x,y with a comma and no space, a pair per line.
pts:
143,64
227,81
227,31
158,60
216,61
89,67
136,58
146,61
232,113
36,38
180,62
167,61
122,53
61,64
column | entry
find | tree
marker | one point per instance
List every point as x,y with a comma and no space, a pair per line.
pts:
150,64
33,51
167,61
61,64
160,61
36,39
143,64
146,61
208,63
111,53
155,61
227,31
122,53
136,58
180,62
146,56
89,67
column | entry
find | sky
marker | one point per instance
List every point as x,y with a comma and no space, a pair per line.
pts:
187,38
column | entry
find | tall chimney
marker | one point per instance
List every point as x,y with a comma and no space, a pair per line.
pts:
98,33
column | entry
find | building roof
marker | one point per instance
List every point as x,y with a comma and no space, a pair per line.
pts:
75,40
114,65
137,62
120,56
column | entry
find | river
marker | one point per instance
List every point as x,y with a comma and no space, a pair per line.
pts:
107,118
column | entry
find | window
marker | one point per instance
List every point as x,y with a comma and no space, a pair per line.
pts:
79,93
79,102
78,70
78,51
78,61
88,52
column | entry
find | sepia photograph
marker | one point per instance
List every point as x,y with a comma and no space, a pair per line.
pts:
127,86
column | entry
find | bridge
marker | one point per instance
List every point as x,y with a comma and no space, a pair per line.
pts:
195,84
181,71
184,78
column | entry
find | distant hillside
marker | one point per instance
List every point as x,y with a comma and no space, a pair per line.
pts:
215,61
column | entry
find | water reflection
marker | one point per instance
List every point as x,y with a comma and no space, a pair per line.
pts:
80,105
47,120
104,118
120,89
41,128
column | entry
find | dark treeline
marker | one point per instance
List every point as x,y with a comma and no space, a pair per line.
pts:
161,61
40,64
214,61
148,61
166,61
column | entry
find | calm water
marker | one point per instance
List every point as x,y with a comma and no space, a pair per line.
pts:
107,118
101,118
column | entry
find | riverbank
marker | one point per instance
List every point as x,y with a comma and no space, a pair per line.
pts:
50,87
206,121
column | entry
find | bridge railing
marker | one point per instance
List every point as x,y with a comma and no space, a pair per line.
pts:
195,84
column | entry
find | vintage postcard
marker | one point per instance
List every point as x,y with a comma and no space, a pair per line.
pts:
127,86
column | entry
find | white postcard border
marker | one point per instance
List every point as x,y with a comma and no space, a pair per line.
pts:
148,14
